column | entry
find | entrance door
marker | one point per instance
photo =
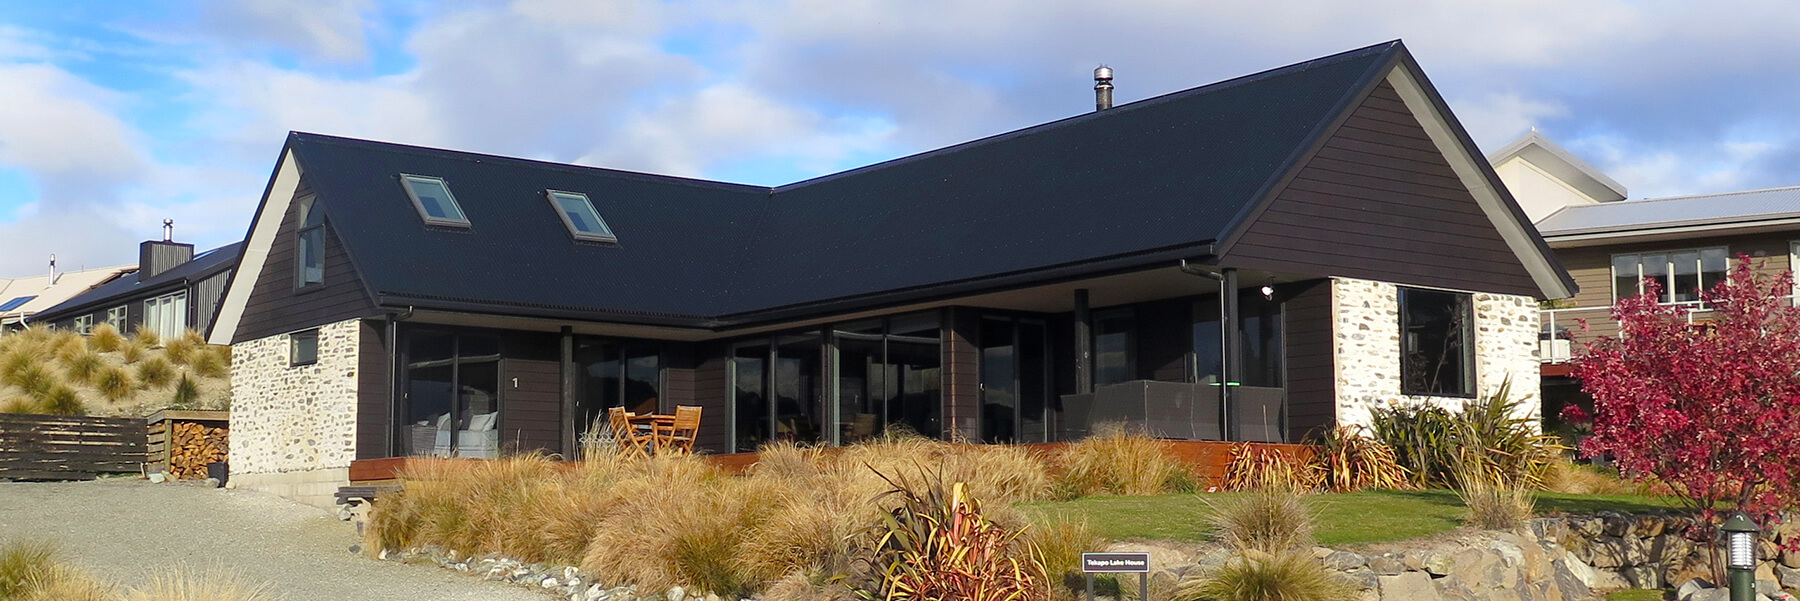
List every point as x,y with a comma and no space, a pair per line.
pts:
1015,381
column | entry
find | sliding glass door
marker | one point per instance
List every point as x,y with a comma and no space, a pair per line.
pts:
451,393
837,386
614,373
777,391
1015,380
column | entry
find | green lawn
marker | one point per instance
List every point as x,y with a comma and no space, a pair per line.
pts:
1349,518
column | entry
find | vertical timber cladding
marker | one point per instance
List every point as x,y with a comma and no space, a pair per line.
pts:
531,392
712,392
1380,202
1311,374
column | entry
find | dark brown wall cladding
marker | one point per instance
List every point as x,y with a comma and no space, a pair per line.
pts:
373,396
1311,374
712,394
1380,202
962,374
531,392
275,307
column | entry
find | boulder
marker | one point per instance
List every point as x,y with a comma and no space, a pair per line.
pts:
1571,586
1767,587
1642,576
1386,565
1408,586
1438,563
1691,587
1343,561
1363,579
1586,574
1788,577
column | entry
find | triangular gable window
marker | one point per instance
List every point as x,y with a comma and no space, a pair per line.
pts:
578,214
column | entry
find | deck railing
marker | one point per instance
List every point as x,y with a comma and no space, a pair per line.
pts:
1558,328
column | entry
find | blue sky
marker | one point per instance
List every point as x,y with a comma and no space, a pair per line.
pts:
116,115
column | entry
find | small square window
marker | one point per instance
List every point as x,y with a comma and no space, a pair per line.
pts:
84,324
431,196
578,214
303,348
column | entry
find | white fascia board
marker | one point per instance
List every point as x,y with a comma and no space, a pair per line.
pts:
1513,230
256,249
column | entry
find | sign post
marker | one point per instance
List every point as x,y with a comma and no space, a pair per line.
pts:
1117,563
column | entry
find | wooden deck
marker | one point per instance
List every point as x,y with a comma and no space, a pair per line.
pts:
1207,458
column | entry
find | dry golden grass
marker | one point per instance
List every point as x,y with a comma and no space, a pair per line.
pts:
155,372
1261,576
1270,520
82,367
1060,540
57,371
1565,476
1254,468
105,339
146,338
1116,462
179,586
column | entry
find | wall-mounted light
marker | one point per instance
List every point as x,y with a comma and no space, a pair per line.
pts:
1268,290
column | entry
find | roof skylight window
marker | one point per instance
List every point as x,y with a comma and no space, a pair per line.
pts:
16,303
578,213
433,199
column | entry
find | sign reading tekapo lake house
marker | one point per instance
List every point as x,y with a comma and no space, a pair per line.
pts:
1115,563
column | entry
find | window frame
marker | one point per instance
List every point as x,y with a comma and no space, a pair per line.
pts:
406,181
607,237
294,359
118,317
83,324
311,231
1668,276
153,308
1466,304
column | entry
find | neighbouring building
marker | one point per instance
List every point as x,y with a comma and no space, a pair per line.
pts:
173,291
23,299
1610,245
1251,260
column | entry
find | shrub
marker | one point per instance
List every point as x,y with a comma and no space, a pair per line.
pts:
938,545
685,527
155,372
20,405
132,351
180,350
1353,461
66,345
147,338
114,384
1427,439
82,367
105,338
1260,576
1256,467
1269,519
1496,498
1116,462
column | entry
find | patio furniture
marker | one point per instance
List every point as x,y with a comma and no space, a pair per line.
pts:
482,438
677,433
626,433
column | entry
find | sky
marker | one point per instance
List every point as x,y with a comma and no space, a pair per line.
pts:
117,115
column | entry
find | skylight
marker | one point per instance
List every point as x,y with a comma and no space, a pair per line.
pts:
578,213
16,302
433,199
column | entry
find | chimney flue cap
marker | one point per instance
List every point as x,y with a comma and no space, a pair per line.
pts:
1103,73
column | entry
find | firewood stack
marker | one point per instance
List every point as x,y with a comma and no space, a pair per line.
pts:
192,446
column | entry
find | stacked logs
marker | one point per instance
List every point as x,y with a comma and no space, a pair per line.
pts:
192,446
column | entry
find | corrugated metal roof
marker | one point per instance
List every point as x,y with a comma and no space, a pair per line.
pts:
1162,173
46,294
129,287
1726,208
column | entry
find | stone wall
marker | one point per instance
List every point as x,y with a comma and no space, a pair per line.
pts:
293,428
1366,329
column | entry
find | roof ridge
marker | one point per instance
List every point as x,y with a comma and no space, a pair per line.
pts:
1618,203
1216,86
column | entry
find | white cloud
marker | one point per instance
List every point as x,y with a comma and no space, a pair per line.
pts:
731,122
329,30
1499,118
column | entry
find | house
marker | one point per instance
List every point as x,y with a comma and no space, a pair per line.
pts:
172,291
22,299
1250,260
1610,245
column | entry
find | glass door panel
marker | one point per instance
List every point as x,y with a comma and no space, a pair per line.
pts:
750,398
1034,382
798,404
999,382
861,381
913,371
478,399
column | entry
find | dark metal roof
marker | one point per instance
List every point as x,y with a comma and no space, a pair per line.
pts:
129,288
1159,178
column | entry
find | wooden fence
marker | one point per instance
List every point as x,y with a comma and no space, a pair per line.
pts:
60,447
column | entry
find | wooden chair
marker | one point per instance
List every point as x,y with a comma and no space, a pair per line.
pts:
680,432
625,434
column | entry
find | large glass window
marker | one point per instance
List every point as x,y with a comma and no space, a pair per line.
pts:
750,395
578,214
1437,348
614,373
451,393
309,250
1261,348
1115,347
1681,275
166,315
1015,374
884,374
431,196
799,394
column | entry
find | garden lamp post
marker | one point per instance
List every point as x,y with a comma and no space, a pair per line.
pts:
1740,556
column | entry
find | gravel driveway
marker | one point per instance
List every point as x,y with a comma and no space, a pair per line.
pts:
123,530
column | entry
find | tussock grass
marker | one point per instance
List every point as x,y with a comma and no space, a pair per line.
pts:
62,400
147,338
114,384
1261,576
133,351
1569,477
180,350
1267,520
35,571
1060,541
105,339
187,393
20,404
155,372
1116,462
1497,498
180,586
22,565
211,362
82,367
